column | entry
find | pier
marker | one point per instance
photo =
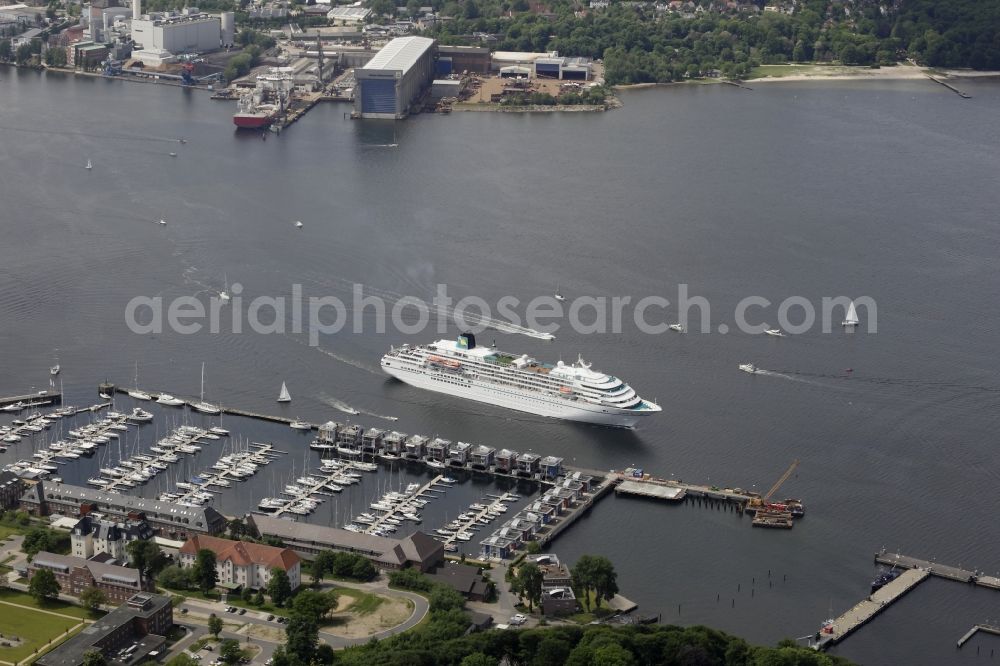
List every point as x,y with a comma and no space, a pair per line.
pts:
32,399
644,485
985,628
950,87
670,493
865,610
939,570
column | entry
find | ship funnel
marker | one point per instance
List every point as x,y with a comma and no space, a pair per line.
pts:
467,341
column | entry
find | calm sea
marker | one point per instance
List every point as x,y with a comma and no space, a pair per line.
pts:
885,189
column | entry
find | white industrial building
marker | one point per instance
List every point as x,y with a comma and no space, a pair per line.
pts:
351,15
161,34
391,81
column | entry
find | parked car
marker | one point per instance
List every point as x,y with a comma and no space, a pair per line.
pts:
269,618
518,619
242,611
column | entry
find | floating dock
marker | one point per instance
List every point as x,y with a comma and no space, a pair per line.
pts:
985,628
864,611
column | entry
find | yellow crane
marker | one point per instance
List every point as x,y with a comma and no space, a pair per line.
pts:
757,501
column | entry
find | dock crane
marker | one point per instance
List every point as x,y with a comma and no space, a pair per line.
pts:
757,502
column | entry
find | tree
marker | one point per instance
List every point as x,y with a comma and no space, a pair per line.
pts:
605,579
36,540
363,569
94,658
146,556
55,57
534,548
246,595
176,577
480,659
258,599
237,528
183,659
302,630
325,654
230,651
6,50
279,588
214,625
23,54
44,586
583,579
531,583
93,598
204,570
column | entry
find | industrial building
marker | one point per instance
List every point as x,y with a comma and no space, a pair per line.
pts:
349,15
160,35
458,59
390,82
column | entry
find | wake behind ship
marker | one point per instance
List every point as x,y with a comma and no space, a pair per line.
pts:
573,392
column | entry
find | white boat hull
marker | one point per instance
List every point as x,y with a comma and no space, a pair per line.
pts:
513,398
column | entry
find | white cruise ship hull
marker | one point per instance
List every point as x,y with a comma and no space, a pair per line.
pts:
513,398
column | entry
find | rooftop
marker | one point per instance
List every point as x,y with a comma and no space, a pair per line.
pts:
242,553
400,54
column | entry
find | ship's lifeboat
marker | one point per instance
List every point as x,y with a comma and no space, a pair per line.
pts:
445,362
565,390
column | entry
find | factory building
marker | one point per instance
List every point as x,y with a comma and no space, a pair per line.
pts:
458,59
390,82
170,32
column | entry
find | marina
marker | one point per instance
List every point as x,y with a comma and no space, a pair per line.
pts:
985,628
30,400
940,570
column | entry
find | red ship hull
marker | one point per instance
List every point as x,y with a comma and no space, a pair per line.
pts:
251,121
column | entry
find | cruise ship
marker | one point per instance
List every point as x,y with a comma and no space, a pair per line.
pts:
574,392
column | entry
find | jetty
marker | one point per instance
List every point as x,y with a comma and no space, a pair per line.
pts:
33,399
634,482
985,628
939,570
862,612
950,87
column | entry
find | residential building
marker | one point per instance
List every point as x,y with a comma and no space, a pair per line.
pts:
11,489
169,520
93,535
417,550
75,574
243,563
465,579
142,621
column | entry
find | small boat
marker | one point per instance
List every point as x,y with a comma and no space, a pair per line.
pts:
676,327
90,165
173,154
300,425
852,317
162,221
16,407
435,464
558,295
284,395
218,431
224,294
169,400
776,332
54,370
104,396
749,367
298,224
140,415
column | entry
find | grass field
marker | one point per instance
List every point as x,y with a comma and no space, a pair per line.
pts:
35,629
7,530
364,602
55,606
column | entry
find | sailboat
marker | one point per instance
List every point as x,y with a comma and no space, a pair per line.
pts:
89,165
298,223
224,294
852,316
558,295
136,393
201,405
284,396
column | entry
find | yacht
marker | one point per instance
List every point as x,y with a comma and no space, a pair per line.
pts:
54,370
169,400
300,425
776,332
676,327
140,415
201,405
749,367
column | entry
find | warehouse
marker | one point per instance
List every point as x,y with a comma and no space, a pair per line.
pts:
458,59
191,31
390,82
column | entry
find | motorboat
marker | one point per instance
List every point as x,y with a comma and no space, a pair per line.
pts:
140,415
300,425
749,367
169,400
676,327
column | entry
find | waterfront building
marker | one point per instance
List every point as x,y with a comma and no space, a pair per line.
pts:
243,563
75,574
389,84
95,535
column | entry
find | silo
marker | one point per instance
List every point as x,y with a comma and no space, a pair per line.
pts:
228,28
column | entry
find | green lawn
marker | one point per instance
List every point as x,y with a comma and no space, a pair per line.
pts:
54,606
35,629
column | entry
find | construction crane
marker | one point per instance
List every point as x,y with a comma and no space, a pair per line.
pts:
757,502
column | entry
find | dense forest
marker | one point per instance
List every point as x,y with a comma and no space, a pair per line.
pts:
441,643
644,42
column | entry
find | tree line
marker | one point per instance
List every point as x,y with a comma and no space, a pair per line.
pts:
640,44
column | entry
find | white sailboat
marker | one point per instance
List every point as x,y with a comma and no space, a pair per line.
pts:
852,316
136,393
284,396
558,295
201,405
224,294
89,165
298,224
